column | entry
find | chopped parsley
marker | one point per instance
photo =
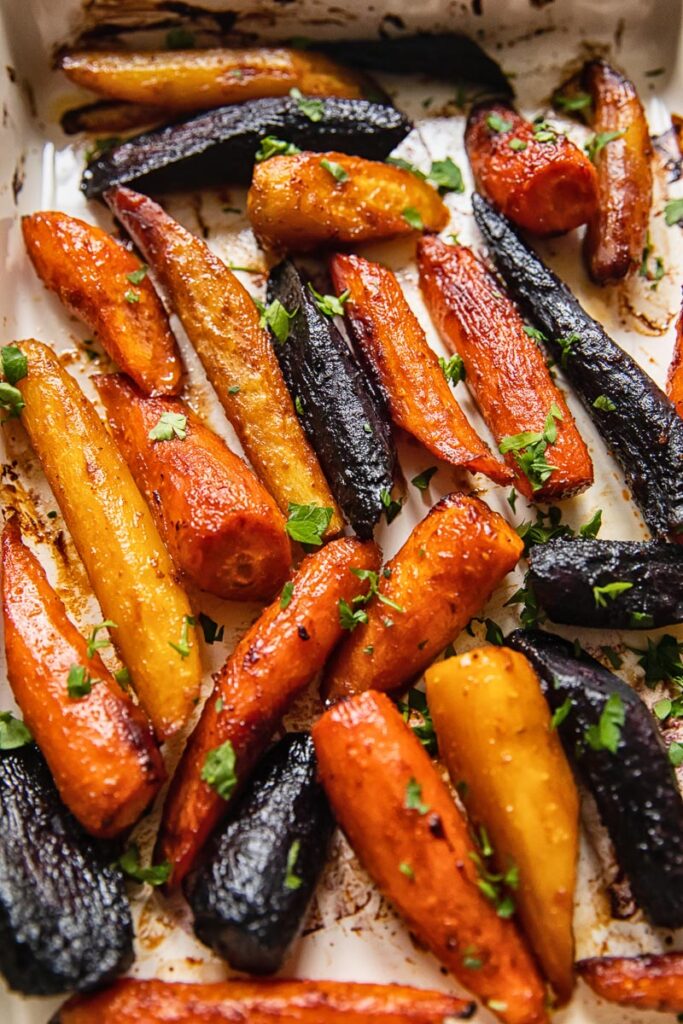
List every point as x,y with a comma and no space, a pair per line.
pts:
413,800
604,403
97,645
494,885
139,275
566,345
13,732
676,753
155,874
592,527
610,591
131,296
530,615
335,169
470,960
405,869
413,218
607,733
494,634
561,713
14,364
571,103
79,682
549,526
673,212
662,662
517,145
329,305
652,266
446,176
286,595
234,389
452,368
529,449
497,123
595,145
534,333
392,508
213,633
292,880
544,132
183,645
415,712
421,481
313,109
218,770
272,146
308,523
350,617
122,677
277,318
171,425
373,579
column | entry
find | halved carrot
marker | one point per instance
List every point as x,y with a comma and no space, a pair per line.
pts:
442,576
408,834
131,1001
674,380
650,982
224,326
104,285
99,745
394,348
505,368
221,526
273,662
531,172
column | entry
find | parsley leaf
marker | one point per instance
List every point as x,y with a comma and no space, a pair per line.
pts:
652,266
11,399
544,132
392,508
183,645
529,449
286,595
494,885
561,713
453,369
673,212
270,146
277,318
13,732
595,145
398,161
592,527
497,123
676,753
349,617
566,347
131,296
604,403
517,145
415,712
155,874
335,169
534,333
97,645
421,481
139,275
530,615
292,880
413,218
170,425
610,591
329,305
547,527
310,107
14,364
413,801
578,101
79,682
494,634
213,633
662,661
405,869
218,770
308,523
446,176
607,733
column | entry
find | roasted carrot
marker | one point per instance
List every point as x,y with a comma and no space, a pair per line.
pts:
274,661
531,172
505,368
97,743
225,327
622,152
104,285
649,982
442,576
409,835
262,1002
113,530
296,204
221,526
518,787
199,79
109,117
674,380
394,348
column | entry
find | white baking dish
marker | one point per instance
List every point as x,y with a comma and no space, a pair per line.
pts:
351,933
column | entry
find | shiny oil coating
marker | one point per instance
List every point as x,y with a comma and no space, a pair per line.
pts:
615,237
99,747
544,187
199,79
643,431
89,271
65,922
295,204
506,370
442,576
223,324
222,144
128,566
649,982
262,1002
272,663
422,862
394,348
493,727
222,528
639,777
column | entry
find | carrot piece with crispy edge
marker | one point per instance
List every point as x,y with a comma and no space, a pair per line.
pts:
99,747
393,346
129,568
653,981
130,1001
519,788
616,235
441,577
674,380
296,204
505,369
536,176
409,835
273,662
186,80
104,285
224,326
221,526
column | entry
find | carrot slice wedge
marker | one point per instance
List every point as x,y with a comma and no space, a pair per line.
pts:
650,982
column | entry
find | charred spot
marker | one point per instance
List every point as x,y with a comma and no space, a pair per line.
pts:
303,633
436,826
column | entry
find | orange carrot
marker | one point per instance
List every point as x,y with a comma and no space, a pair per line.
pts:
650,982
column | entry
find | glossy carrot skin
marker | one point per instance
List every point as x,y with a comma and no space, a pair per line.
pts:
185,80
441,577
273,662
546,187
295,204
114,533
616,235
221,526
421,858
100,748
394,348
224,326
674,380
506,369
88,270
651,982
262,1002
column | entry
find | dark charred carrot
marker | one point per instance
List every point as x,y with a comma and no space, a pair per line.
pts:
407,832
97,743
273,662
531,172
394,348
650,982
505,368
